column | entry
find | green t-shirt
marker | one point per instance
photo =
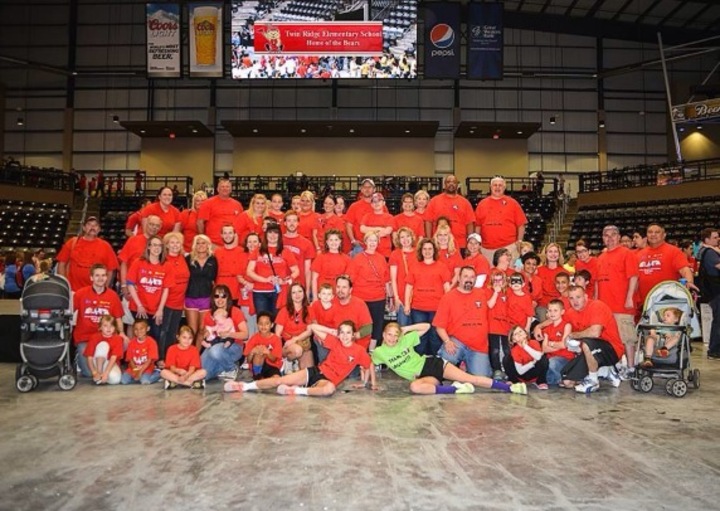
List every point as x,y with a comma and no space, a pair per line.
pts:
401,358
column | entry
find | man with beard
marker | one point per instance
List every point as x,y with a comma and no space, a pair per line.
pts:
80,252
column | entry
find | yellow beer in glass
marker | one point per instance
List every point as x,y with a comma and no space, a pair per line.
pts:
205,26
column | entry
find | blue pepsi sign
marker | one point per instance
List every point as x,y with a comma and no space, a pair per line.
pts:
442,40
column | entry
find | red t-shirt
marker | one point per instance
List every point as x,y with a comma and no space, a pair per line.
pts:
533,286
217,212
478,261
329,266
547,277
182,358
91,306
322,316
356,311
555,334
522,357
342,359
231,263
188,221
281,263
133,249
369,274
80,255
247,224
402,261
597,313
614,269
303,249
273,344
413,222
325,223
115,342
292,323
307,223
133,222
181,276
279,216
168,218
427,281
141,352
465,317
498,320
355,214
591,266
499,220
149,281
659,264
237,316
457,210
382,220
452,261
519,308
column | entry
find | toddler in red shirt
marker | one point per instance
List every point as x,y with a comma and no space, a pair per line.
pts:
264,350
104,350
182,362
141,355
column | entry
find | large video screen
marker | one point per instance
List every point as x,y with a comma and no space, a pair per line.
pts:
324,39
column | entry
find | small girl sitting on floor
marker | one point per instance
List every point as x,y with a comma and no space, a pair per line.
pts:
104,351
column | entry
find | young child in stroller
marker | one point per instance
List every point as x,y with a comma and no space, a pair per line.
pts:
666,340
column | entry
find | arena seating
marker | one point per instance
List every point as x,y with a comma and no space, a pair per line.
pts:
29,225
681,218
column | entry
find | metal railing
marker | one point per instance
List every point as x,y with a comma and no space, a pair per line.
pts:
134,183
517,186
12,173
650,175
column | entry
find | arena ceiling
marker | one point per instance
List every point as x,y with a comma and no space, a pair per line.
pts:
679,21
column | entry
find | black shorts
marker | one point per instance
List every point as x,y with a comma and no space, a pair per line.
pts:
603,352
435,367
313,376
267,371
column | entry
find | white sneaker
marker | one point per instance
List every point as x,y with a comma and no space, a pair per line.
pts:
587,386
463,388
519,388
229,375
613,377
285,390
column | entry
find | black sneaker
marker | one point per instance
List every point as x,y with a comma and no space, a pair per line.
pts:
713,356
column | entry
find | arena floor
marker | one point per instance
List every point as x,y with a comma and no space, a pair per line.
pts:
141,448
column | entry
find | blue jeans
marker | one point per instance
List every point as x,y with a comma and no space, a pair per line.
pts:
430,343
555,367
168,330
476,363
81,360
145,378
250,319
218,358
265,302
322,352
402,318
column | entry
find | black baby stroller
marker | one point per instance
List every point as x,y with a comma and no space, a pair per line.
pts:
45,316
671,363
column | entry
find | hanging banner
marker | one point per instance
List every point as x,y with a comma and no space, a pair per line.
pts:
313,38
206,39
442,40
163,40
698,111
485,41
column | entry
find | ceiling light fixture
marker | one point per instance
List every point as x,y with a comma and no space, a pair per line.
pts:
552,120
496,136
20,121
172,135
116,119
255,130
519,132
699,127
601,124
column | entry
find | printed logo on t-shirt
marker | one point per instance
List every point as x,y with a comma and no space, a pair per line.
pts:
651,266
478,304
95,312
350,359
151,283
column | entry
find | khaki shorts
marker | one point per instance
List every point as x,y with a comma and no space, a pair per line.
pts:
626,327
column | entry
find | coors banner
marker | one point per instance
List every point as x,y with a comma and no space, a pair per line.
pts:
206,39
163,40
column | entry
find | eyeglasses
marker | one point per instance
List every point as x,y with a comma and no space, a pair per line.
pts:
220,296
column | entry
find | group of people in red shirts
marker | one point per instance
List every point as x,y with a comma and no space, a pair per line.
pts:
307,290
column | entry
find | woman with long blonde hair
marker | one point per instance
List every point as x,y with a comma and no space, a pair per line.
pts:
447,252
552,261
307,217
203,271
251,220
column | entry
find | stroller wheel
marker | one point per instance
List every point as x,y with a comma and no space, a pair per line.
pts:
695,378
67,382
646,384
635,384
26,383
669,385
679,388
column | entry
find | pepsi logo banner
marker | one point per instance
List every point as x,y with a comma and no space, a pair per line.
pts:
442,40
485,41
338,38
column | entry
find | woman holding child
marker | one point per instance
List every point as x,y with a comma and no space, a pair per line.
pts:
221,355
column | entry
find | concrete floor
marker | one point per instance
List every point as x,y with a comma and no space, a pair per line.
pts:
139,448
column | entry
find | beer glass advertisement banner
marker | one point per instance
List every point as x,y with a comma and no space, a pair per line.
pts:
442,40
163,40
485,42
324,39
206,41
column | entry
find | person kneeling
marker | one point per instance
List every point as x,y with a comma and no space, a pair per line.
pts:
427,373
345,355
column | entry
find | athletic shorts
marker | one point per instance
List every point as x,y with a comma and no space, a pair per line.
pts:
603,352
435,367
313,376
201,304
267,371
